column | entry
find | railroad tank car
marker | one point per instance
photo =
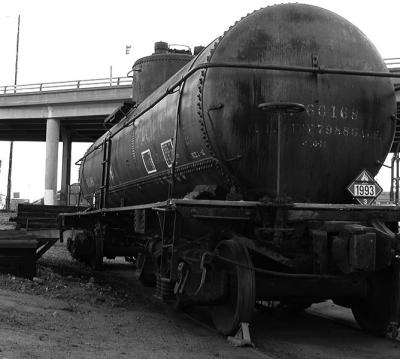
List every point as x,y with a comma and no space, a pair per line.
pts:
225,140
227,184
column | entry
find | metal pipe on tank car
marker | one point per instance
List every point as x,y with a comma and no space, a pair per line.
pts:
279,108
278,158
175,144
266,272
396,198
274,284
392,182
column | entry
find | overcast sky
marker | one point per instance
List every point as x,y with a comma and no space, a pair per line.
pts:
70,40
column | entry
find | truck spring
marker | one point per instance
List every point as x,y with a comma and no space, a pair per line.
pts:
164,289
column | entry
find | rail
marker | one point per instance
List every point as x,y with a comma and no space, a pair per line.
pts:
66,85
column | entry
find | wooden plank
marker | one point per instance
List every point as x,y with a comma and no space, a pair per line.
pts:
18,243
12,233
39,208
41,216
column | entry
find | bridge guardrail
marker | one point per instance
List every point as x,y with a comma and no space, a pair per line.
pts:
65,85
393,64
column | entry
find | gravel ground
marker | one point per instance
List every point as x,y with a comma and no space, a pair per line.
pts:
4,220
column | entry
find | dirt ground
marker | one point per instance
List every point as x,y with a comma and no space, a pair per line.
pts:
78,314
69,311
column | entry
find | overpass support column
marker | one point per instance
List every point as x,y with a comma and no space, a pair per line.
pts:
52,139
66,167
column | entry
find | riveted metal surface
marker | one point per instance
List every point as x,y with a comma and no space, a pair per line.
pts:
347,126
151,71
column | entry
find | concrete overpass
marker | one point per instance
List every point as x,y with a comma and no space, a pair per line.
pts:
79,106
69,111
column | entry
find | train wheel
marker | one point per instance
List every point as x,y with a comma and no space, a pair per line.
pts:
372,313
238,305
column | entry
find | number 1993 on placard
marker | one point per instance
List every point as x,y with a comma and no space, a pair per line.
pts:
364,190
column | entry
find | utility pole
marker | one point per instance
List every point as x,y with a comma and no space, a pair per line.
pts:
8,198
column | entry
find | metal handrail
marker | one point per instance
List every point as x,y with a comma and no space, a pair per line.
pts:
392,63
65,85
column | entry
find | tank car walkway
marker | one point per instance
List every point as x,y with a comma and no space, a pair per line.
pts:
68,111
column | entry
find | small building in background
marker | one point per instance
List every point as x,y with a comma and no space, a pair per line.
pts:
383,199
15,200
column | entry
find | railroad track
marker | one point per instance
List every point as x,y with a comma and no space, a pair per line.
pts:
341,319
327,312
253,350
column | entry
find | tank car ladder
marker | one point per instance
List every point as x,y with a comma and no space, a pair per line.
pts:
395,178
395,163
170,230
105,172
